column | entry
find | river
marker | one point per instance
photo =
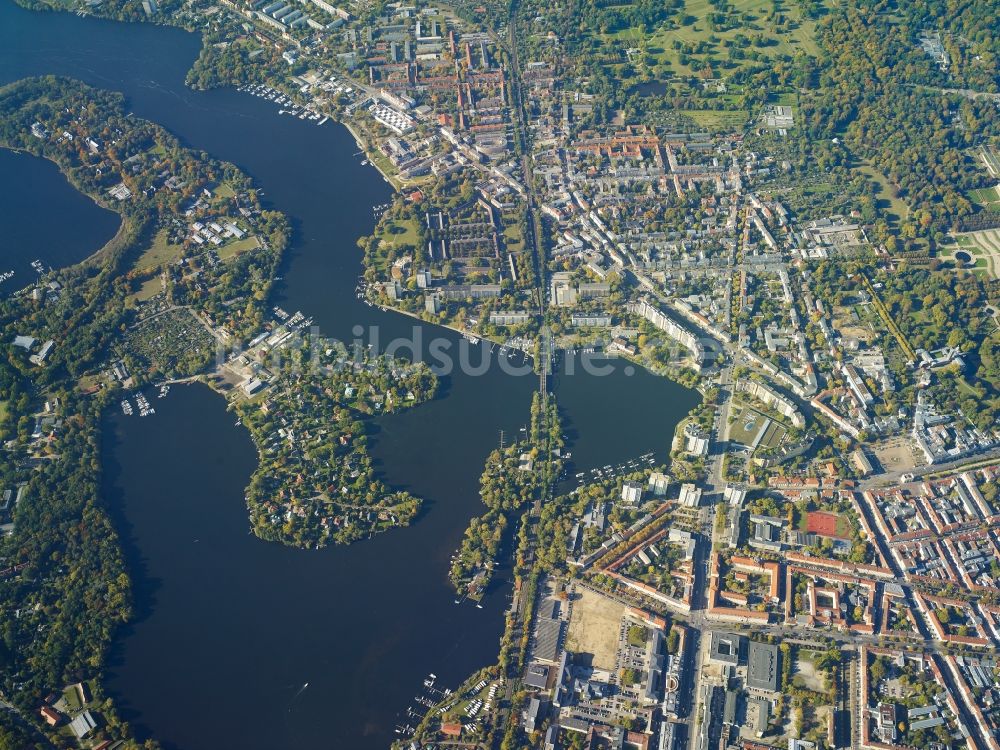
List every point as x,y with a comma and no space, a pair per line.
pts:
229,628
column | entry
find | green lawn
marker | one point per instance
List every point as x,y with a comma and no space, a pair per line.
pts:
72,699
785,99
747,425
895,208
512,238
717,120
401,233
232,249
749,18
160,253
224,190
149,289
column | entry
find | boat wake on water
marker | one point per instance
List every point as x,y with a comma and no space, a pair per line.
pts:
298,692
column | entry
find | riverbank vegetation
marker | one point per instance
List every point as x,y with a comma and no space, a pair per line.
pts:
315,483
515,476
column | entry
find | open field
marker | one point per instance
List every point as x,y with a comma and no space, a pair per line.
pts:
160,253
692,30
806,674
747,425
232,249
223,190
894,207
149,289
401,233
717,120
513,240
897,454
593,627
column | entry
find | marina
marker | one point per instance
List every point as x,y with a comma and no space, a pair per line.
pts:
281,100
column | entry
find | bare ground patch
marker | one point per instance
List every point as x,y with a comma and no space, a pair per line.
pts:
594,626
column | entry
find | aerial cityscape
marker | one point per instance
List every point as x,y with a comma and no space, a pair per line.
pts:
569,375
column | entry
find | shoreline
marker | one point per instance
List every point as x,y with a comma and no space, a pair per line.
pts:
365,146
87,261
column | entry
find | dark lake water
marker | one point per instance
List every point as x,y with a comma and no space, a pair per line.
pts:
231,628
80,226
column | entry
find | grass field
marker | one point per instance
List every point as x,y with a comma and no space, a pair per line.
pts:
400,233
717,120
895,208
746,426
160,253
512,238
149,289
751,428
687,42
223,190
232,249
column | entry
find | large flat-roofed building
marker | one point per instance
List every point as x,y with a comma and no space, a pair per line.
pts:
764,668
727,648
547,632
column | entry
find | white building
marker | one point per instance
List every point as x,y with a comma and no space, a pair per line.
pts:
631,493
690,496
